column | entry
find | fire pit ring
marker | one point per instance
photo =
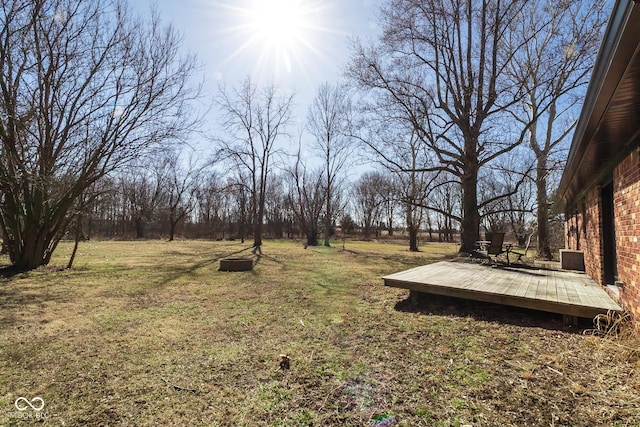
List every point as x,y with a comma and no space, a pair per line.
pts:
236,264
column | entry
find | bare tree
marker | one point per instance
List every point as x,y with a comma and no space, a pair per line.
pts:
390,205
84,88
306,198
396,146
276,206
446,192
211,201
144,187
181,190
240,193
254,120
515,212
369,197
327,121
389,192
439,66
553,66
83,206
106,214
103,204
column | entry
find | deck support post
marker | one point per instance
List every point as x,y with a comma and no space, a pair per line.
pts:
569,320
414,296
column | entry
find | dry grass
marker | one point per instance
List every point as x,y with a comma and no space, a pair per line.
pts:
151,333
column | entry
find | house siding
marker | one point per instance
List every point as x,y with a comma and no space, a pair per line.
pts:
583,230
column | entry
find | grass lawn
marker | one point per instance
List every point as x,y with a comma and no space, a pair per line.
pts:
151,333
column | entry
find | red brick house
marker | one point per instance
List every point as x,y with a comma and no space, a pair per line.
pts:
600,188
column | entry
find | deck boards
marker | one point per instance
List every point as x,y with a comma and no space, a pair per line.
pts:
564,292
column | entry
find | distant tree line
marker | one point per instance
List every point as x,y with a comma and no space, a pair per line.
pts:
168,198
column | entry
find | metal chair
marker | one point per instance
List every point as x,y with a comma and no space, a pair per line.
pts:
496,247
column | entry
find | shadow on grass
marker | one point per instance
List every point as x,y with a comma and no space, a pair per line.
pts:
15,298
8,272
272,259
177,272
12,299
483,311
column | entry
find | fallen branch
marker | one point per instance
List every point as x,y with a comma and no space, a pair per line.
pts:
555,370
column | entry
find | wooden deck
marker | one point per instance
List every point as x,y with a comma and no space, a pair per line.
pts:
564,292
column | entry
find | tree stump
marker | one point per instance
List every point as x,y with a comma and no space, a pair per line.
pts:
236,264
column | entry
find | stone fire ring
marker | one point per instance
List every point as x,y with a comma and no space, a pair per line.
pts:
236,264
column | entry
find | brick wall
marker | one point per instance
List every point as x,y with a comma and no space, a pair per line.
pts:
627,219
592,243
572,230
583,233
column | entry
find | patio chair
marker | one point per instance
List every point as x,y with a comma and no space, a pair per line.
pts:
496,247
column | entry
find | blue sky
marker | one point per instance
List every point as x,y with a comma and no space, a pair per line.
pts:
303,48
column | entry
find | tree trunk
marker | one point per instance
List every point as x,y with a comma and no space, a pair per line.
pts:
172,228
327,219
34,250
89,227
470,224
412,228
241,225
76,242
366,231
312,237
257,234
413,238
5,243
279,228
257,231
141,228
544,248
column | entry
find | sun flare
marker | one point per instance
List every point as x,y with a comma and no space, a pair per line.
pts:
281,26
278,21
282,32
